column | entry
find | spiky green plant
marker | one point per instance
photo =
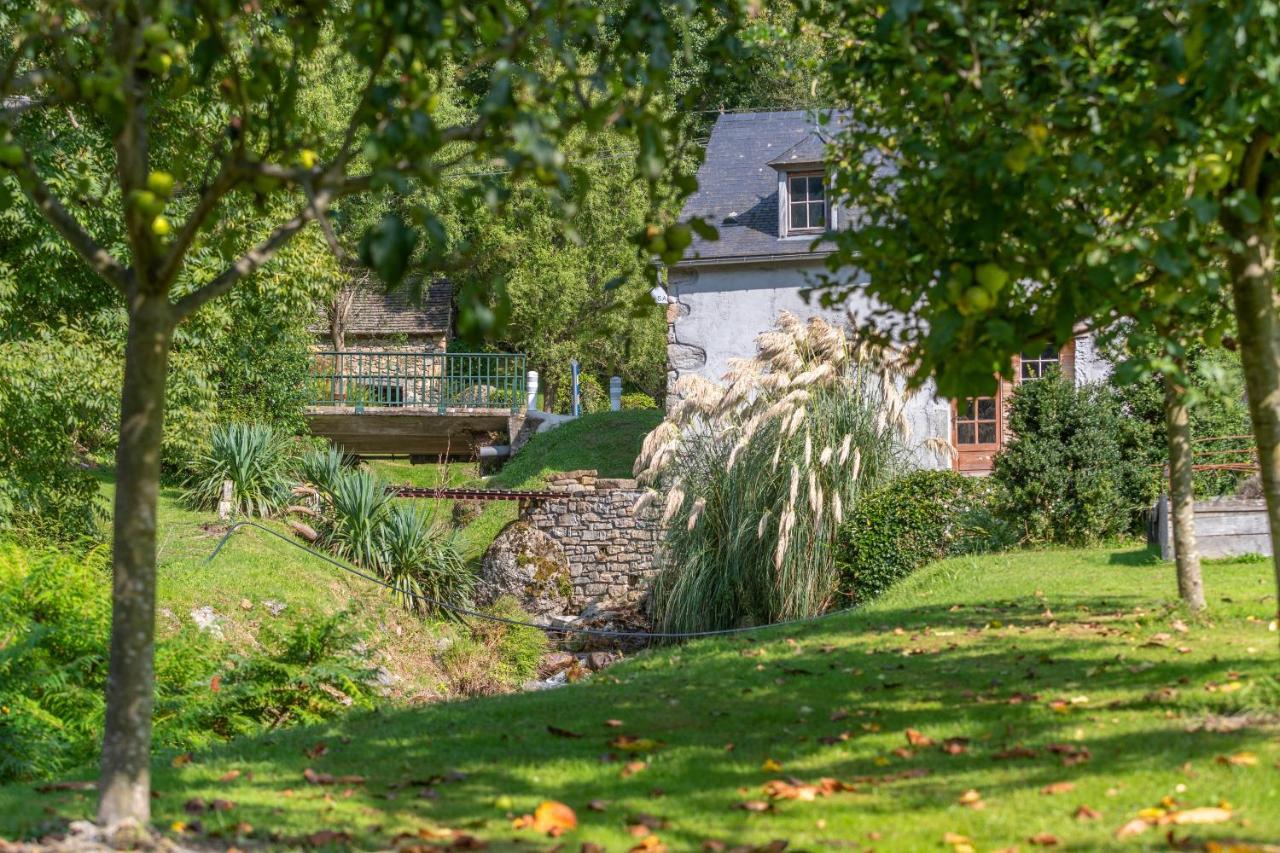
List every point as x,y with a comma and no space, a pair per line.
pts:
420,559
759,473
254,457
322,468
359,504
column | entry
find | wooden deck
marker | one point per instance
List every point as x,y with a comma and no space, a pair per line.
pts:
388,431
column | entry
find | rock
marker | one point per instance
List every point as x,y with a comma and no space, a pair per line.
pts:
554,662
275,608
597,661
558,680
207,620
528,565
465,512
606,484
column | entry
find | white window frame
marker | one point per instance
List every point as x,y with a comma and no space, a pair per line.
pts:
784,204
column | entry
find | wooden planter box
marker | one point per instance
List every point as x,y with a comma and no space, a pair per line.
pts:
1225,527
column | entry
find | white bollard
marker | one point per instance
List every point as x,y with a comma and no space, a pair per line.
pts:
531,385
615,393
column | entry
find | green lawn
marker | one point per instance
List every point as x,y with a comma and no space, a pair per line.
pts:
1057,667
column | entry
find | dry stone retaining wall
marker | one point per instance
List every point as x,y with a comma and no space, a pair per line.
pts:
610,548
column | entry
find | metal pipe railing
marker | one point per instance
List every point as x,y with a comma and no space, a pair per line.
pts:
411,380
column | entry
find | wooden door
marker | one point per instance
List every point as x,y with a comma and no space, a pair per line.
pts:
977,431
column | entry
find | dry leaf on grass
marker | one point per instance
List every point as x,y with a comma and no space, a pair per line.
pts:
553,818
1058,788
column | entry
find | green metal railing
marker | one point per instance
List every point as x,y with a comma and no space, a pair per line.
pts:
410,380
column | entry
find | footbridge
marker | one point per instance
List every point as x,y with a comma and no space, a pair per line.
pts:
421,405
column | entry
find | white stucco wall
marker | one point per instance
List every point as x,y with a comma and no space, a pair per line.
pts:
1090,365
716,312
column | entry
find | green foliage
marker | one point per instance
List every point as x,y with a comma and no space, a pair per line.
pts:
314,671
359,505
758,479
1075,469
422,559
56,400
254,457
1218,408
260,369
55,612
1115,185
910,522
494,657
323,467
638,400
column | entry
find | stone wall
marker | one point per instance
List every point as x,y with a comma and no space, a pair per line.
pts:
610,547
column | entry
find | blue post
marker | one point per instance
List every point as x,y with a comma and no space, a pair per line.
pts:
576,370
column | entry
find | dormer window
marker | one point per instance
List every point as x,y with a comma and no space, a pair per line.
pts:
806,203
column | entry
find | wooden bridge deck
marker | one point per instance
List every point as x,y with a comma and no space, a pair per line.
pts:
381,431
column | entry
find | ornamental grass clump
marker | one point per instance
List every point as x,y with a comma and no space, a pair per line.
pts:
254,457
754,477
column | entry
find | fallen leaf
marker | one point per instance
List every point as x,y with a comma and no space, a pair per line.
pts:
316,751
553,818
631,768
972,799
1044,839
182,760
1058,788
651,844
955,838
955,745
771,766
754,806
328,837
229,776
915,738
613,724
1018,751
559,732
1137,826
630,743
1239,759
1205,814
1087,813
598,805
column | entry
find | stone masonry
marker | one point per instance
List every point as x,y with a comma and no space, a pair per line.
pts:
611,549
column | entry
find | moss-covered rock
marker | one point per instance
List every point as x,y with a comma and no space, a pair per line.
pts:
530,566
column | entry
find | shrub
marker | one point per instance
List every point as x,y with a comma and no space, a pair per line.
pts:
57,397
419,559
494,657
262,365
359,505
1075,470
55,616
910,522
312,672
638,400
758,475
254,457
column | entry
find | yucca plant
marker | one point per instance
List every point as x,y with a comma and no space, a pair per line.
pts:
359,504
758,474
322,468
254,457
421,560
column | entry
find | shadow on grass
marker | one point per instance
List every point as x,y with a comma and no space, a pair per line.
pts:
1003,675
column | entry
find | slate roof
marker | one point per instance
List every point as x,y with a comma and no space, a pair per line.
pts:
738,183
375,312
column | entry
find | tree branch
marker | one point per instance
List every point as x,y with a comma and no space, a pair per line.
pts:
64,222
249,263
1255,154
222,184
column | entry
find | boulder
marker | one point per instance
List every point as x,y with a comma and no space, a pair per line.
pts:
530,566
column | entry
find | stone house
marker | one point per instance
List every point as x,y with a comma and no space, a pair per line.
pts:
364,316
763,185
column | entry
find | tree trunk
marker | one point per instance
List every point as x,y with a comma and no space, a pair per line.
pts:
1182,497
125,784
1258,324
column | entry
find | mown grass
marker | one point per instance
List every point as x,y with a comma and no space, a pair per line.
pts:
1027,649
